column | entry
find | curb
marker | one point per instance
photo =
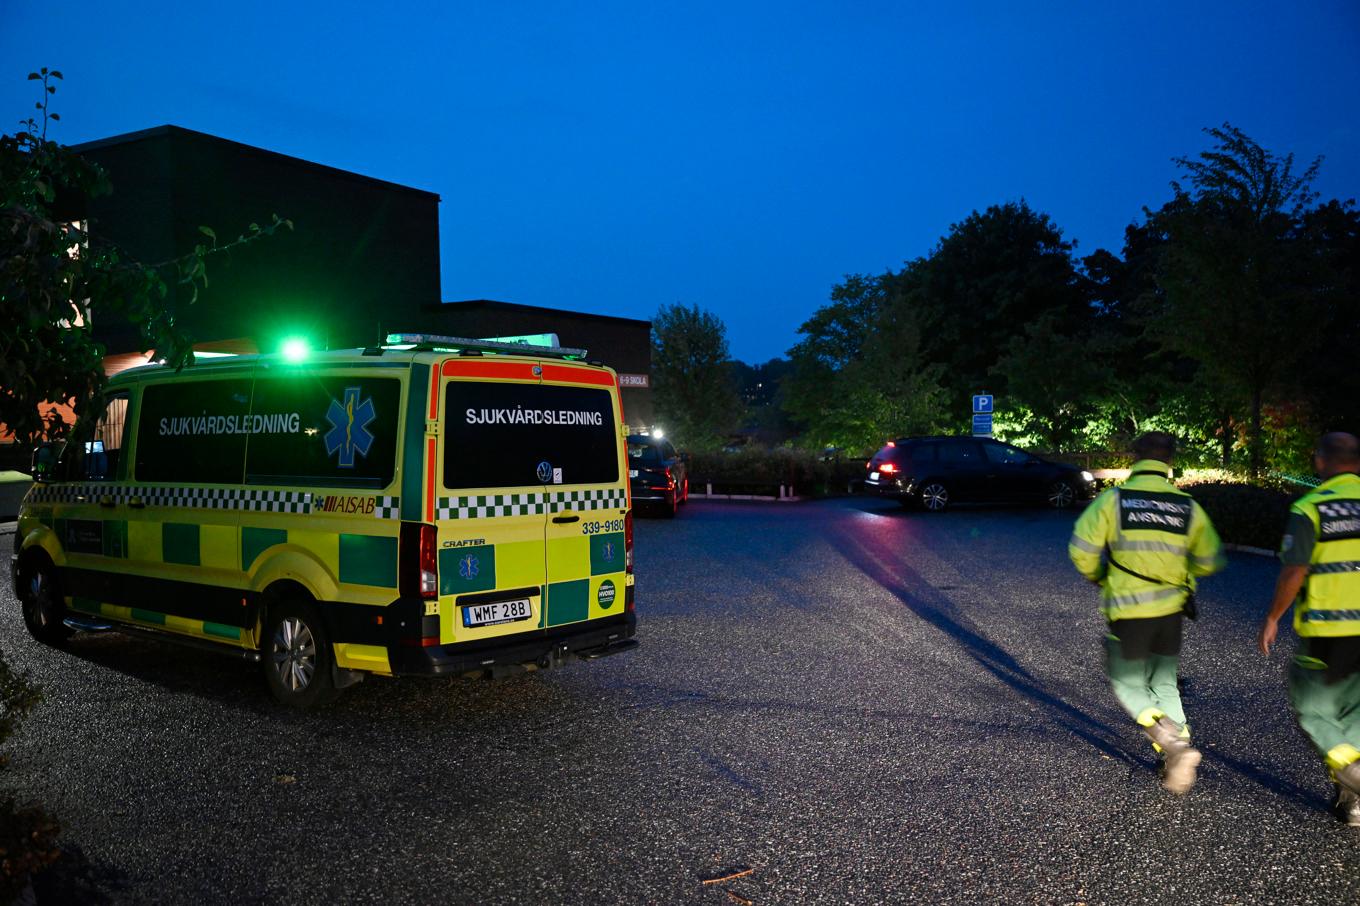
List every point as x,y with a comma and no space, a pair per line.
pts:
1248,549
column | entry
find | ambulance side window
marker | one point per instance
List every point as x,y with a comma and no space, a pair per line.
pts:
309,429
97,453
193,431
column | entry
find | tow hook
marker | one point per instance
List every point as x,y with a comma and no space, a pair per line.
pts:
554,657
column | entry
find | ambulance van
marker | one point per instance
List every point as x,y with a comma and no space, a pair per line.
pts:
435,506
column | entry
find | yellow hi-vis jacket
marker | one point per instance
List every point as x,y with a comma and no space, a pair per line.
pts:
1152,528
1329,604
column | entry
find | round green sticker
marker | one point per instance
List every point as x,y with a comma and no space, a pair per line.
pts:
606,594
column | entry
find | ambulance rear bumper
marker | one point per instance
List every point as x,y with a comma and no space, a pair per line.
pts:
542,649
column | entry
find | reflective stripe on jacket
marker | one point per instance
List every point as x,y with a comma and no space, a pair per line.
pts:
1151,527
1329,604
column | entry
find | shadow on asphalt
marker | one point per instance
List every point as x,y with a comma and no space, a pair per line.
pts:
926,602
937,609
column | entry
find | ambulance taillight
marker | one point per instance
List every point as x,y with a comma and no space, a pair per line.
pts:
628,542
429,560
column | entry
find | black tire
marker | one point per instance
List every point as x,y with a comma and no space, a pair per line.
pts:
42,603
670,507
933,496
1061,495
296,655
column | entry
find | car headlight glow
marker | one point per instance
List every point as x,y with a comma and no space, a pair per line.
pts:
1087,476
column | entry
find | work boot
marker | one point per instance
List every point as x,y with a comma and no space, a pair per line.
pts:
1349,778
1347,806
1179,758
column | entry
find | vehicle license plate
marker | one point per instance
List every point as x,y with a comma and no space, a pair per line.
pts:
873,476
632,473
496,613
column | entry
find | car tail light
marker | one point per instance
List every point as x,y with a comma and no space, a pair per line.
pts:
628,542
887,468
670,479
429,562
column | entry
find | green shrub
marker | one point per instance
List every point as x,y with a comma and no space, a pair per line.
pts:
762,471
1244,513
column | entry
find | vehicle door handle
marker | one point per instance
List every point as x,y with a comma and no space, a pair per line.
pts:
137,503
563,520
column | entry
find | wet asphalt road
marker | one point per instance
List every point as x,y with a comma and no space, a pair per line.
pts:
852,703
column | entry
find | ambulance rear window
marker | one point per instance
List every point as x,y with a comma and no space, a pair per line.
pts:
523,435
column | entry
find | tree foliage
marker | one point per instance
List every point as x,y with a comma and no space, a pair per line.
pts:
57,279
693,390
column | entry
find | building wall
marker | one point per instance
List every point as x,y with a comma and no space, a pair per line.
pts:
362,257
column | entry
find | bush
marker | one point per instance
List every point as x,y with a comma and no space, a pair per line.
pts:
762,471
1244,513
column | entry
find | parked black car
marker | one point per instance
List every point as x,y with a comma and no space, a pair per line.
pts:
934,472
657,474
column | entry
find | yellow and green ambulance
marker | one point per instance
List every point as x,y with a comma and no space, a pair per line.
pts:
436,505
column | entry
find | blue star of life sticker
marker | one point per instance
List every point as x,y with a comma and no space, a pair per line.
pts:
467,567
349,432
608,552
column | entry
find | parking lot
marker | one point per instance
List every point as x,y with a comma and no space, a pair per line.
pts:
834,702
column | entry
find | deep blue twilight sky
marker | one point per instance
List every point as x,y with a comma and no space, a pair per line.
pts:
612,157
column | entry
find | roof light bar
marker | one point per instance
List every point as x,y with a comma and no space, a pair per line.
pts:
433,341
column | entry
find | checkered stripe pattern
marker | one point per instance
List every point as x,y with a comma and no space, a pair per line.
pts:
487,506
187,498
388,508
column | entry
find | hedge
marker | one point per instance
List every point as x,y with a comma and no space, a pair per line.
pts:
762,471
1245,514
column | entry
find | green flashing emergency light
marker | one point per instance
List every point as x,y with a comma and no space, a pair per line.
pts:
295,349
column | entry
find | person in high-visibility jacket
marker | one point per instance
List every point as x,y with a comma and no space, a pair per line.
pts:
1144,543
1320,577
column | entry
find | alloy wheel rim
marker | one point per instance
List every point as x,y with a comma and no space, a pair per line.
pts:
934,496
294,654
1061,495
37,605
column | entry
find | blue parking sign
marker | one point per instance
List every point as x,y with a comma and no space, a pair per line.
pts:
982,403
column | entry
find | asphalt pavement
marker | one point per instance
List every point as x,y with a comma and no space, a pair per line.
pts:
834,702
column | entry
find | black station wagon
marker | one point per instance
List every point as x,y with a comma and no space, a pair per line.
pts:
934,472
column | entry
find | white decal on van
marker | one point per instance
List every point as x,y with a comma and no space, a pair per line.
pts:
520,416
276,423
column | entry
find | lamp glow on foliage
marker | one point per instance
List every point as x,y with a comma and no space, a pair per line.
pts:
295,349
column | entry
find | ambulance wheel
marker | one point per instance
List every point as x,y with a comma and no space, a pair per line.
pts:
297,655
1061,495
934,497
43,606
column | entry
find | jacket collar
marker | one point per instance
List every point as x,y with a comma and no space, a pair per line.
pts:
1336,482
1150,467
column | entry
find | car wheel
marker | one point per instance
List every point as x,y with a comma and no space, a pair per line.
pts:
43,607
671,506
934,497
297,655
1061,495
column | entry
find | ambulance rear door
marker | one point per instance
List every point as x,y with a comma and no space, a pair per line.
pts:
586,491
489,504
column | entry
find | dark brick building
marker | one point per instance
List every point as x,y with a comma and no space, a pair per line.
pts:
362,260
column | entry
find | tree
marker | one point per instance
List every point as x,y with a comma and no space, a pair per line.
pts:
1239,287
859,374
56,280
694,393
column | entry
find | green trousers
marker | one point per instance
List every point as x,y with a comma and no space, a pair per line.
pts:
1324,688
1142,658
